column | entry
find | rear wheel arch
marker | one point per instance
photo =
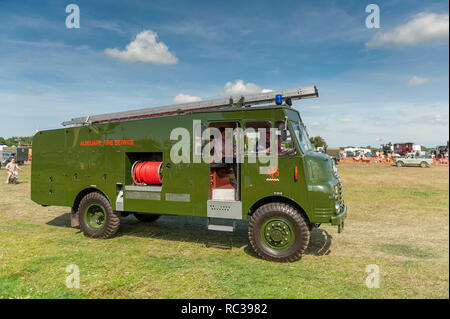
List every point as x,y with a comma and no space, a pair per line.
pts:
83,193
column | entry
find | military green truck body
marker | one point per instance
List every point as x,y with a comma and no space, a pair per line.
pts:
71,163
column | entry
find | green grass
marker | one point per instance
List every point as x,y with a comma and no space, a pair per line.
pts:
398,220
406,250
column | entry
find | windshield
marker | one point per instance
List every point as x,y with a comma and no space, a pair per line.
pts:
302,137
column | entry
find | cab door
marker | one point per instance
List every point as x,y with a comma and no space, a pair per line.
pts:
272,173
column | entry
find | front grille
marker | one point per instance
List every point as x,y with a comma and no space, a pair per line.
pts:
341,197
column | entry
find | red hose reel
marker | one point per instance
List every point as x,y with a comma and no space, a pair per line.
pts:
146,172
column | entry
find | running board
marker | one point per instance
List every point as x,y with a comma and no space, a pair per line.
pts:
225,228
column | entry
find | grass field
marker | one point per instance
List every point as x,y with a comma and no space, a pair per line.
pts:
398,220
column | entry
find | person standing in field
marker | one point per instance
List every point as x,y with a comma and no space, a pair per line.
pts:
13,169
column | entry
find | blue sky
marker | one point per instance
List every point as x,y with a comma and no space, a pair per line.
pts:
389,83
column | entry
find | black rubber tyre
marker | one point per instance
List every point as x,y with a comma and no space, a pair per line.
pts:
293,217
400,164
146,218
111,222
424,164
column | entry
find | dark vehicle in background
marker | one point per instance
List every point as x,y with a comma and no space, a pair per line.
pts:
6,157
20,153
334,153
371,154
440,151
350,154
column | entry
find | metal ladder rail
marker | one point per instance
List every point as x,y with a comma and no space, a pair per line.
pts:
255,99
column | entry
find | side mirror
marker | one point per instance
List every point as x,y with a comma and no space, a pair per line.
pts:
283,135
282,127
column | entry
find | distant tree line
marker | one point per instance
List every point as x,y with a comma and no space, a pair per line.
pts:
318,141
16,140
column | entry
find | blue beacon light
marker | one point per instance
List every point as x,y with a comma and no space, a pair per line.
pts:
278,99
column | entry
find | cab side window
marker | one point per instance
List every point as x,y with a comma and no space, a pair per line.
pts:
286,145
257,137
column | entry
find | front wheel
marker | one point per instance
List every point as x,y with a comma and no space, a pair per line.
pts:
97,219
278,232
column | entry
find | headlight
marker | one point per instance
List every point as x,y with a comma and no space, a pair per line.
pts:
335,170
336,192
337,207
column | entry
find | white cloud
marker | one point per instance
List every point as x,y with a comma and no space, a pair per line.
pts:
417,80
107,25
185,98
240,88
316,124
439,118
421,29
145,48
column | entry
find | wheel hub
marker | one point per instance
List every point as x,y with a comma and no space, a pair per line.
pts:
95,216
277,233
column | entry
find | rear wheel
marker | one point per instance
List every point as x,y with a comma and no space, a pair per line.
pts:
97,219
400,164
146,218
278,232
424,164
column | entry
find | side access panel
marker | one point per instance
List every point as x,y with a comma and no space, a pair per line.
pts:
224,209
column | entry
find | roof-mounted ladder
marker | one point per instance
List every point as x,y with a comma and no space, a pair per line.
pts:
238,101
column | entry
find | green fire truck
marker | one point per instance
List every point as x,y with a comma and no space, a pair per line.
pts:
112,165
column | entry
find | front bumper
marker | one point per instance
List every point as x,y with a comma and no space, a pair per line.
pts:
338,220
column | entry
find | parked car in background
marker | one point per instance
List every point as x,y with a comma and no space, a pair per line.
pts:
6,157
1,154
20,153
411,159
371,154
334,153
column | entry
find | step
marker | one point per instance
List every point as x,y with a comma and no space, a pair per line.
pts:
221,228
225,228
